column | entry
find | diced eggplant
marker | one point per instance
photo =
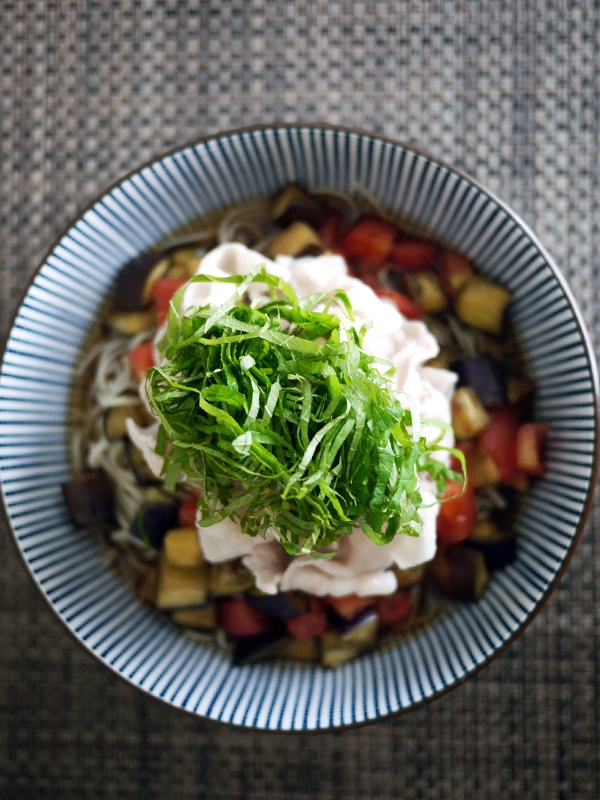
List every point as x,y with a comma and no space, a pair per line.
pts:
254,648
425,288
285,605
147,585
297,240
202,619
499,547
398,611
185,262
351,629
409,577
143,474
131,322
460,571
336,648
486,376
182,547
152,522
134,281
230,577
181,587
294,205
520,389
115,420
469,416
481,304
443,359
89,499
298,650
481,467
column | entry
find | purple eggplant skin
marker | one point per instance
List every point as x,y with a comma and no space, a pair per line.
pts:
248,649
345,626
460,571
486,375
89,500
152,522
285,605
131,281
499,552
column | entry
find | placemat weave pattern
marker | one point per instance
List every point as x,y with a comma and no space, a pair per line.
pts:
507,91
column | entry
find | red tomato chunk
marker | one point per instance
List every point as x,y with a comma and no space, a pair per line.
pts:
529,447
141,358
457,516
238,618
163,290
414,254
499,440
395,610
311,624
407,307
369,241
187,514
349,605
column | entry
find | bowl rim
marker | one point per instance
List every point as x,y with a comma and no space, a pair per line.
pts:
557,274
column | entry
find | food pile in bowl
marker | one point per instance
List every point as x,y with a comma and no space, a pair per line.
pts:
348,322
272,417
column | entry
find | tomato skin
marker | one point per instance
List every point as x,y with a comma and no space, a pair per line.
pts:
238,618
187,514
414,254
529,446
395,610
405,305
141,358
330,231
349,605
499,438
369,241
456,517
163,290
456,271
310,624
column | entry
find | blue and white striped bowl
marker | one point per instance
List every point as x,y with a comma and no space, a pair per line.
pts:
45,344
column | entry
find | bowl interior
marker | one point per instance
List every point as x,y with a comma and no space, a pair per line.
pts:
49,333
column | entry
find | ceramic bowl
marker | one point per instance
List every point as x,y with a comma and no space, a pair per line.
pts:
46,342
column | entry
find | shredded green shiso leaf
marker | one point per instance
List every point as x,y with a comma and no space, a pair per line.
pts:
282,420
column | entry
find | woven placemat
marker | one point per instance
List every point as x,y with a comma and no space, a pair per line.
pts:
506,90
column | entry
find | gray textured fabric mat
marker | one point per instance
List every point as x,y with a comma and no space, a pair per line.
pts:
509,91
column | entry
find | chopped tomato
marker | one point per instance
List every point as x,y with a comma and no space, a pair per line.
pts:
413,254
369,241
529,445
310,624
330,231
163,290
187,514
456,270
238,618
405,305
519,481
395,610
141,358
457,516
498,440
349,605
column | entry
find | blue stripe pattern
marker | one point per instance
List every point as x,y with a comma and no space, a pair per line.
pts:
45,345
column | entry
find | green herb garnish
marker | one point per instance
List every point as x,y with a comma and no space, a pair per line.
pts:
275,411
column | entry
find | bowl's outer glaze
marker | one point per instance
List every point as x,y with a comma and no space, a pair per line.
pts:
45,345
